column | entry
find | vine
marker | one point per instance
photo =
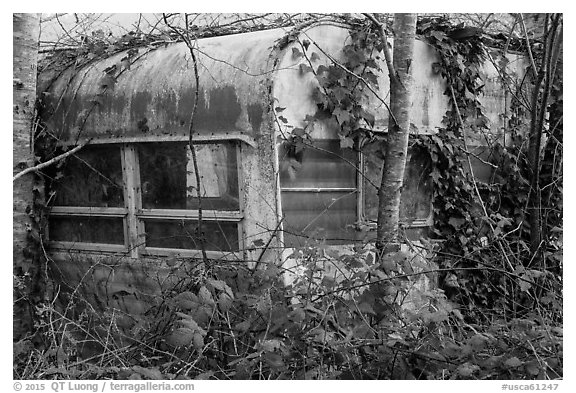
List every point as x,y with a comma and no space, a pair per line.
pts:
474,219
344,88
484,220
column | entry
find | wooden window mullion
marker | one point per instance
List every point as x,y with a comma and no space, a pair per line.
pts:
133,201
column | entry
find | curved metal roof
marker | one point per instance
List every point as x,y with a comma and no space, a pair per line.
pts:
241,78
154,96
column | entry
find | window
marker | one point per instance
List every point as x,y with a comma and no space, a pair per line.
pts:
170,196
89,208
319,192
415,203
327,191
142,198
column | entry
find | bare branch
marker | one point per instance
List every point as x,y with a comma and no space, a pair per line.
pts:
528,44
49,162
66,31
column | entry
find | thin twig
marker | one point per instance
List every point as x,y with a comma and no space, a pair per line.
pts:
387,53
532,62
187,40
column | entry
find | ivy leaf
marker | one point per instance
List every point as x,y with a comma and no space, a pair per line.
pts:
306,44
296,54
305,68
440,36
279,109
298,131
321,69
372,78
371,63
451,281
341,115
503,62
314,56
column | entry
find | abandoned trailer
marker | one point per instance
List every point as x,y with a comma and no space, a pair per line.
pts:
127,206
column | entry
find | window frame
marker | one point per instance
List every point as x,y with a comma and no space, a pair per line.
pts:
91,211
133,215
360,167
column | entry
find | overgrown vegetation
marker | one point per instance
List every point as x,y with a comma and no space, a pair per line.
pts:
496,313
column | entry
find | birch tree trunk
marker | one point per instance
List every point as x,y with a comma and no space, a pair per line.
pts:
398,128
25,57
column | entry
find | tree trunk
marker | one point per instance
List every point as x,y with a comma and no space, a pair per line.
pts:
540,108
25,58
398,129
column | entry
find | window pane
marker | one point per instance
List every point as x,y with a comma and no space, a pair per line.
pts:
326,216
219,236
92,177
323,166
415,202
103,230
168,178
